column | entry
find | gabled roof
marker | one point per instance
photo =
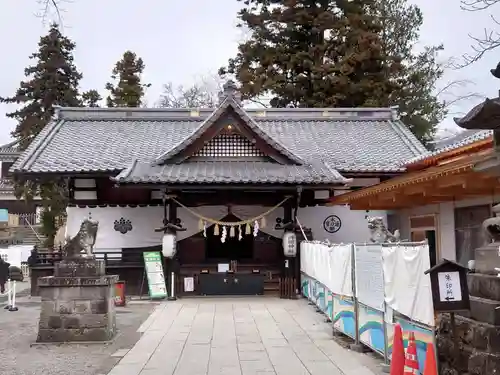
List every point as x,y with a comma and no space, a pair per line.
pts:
322,141
10,151
6,186
453,145
228,103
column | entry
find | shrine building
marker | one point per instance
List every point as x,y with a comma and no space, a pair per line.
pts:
229,181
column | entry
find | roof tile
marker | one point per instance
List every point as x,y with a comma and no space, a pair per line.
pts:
462,139
230,172
87,144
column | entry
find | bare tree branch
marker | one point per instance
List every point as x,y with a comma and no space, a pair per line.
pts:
203,94
452,95
49,6
475,5
481,45
260,102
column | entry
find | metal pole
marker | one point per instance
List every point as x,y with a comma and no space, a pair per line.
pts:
357,346
9,300
386,365
13,307
172,296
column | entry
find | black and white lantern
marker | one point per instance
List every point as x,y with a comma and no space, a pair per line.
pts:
290,244
169,245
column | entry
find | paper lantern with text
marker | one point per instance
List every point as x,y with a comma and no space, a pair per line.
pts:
169,245
290,244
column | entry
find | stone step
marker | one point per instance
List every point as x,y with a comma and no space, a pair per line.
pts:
484,286
483,310
271,287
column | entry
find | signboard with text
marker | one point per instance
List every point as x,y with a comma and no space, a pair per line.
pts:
449,287
154,270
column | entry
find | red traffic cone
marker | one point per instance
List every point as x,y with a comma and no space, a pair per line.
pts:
398,352
411,360
430,367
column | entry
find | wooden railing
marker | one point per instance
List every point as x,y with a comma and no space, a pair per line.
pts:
28,219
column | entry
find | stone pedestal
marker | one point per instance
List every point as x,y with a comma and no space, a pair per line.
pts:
77,303
487,258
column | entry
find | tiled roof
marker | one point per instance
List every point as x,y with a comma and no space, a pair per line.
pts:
229,102
483,116
222,172
462,139
110,139
9,152
6,186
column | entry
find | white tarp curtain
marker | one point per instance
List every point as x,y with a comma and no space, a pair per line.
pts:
330,265
16,254
407,289
369,275
145,219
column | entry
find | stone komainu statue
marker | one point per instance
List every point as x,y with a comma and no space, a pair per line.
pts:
82,244
491,226
379,233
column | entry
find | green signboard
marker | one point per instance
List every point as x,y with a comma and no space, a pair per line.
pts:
154,270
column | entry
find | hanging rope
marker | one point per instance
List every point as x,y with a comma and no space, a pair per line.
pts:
234,223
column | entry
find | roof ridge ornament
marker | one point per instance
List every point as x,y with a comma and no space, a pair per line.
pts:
395,112
229,89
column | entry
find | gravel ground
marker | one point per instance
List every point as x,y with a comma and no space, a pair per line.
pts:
18,330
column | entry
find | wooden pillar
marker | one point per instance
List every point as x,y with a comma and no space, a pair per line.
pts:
172,265
288,286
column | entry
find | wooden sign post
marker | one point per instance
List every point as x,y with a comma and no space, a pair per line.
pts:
450,292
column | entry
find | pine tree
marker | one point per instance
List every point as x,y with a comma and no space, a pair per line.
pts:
51,81
128,91
415,97
312,54
91,98
339,53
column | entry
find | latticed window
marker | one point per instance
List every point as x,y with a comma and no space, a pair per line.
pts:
229,145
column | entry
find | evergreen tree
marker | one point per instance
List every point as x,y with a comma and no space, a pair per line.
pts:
52,80
419,107
91,98
128,91
339,53
312,54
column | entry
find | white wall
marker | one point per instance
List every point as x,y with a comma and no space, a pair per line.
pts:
353,227
445,214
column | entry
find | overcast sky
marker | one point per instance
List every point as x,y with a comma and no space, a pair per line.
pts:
180,41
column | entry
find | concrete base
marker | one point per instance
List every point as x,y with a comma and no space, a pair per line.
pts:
360,348
172,298
35,344
77,308
385,368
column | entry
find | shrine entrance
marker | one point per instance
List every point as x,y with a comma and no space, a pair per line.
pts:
237,246
230,260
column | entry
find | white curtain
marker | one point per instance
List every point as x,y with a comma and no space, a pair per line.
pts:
330,265
407,288
145,220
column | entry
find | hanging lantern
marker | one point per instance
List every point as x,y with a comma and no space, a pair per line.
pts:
290,244
169,247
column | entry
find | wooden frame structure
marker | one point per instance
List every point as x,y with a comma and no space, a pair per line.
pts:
446,176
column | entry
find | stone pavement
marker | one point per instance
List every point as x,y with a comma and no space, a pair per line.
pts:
238,336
